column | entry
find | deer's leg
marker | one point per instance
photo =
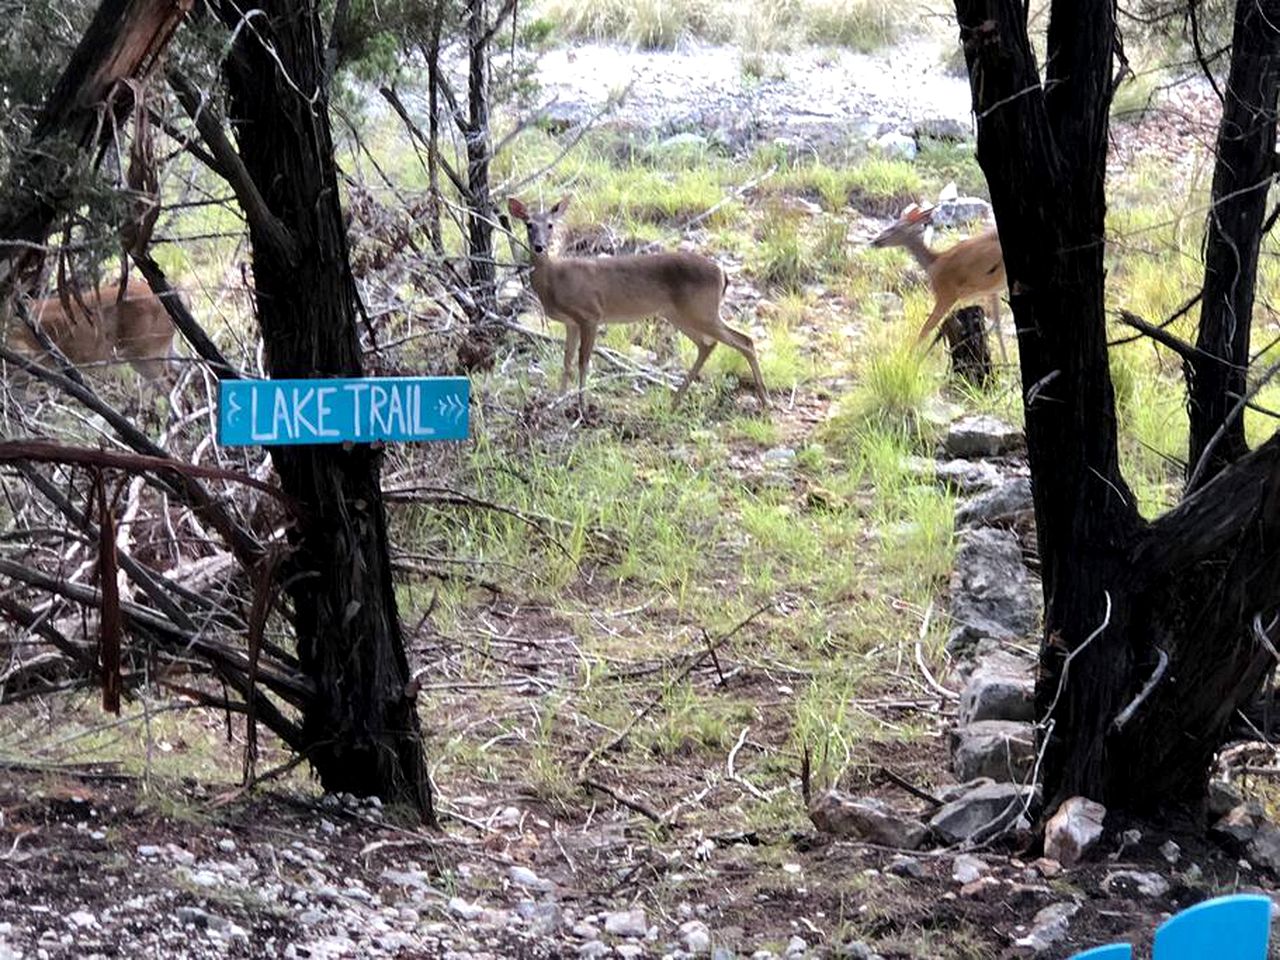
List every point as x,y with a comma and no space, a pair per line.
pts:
585,346
704,351
746,346
995,321
571,335
940,308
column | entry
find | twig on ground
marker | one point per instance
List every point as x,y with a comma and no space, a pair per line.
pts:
639,807
750,787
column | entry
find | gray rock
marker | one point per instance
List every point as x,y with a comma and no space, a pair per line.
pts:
1007,504
967,868
629,951
1135,883
148,850
796,947
992,594
1074,828
722,953
865,818
1223,798
467,911
961,210
1264,849
627,923
1049,927
897,146
1170,851
981,812
856,950
203,919
974,437
524,877
942,128
955,791
695,936
687,141
1236,828
592,949
996,693
82,919
586,931
999,749
965,477
905,867
779,455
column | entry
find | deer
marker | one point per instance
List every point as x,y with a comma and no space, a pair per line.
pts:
684,288
970,269
110,325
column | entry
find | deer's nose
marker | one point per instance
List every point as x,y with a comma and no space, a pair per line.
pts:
538,248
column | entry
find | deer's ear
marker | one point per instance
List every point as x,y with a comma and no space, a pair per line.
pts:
561,206
517,209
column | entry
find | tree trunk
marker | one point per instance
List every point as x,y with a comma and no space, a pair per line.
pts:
1148,641
966,333
362,730
123,42
481,214
433,127
1241,179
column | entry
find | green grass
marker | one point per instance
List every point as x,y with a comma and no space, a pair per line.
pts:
861,25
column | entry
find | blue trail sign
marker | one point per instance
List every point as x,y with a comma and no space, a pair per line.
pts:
363,410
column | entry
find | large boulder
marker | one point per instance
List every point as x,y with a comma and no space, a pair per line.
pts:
979,436
865,818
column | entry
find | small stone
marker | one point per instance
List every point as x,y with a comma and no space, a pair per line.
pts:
1049,927
1223,798
1073,830
1011,502
586,931
592,949
1264,849
866,818
993,693
897,146
627,923
980,813
779,455
1131,838
982,888
971,438
1135,883
1047,867
148,850
82,919
467,911
695,937
1000,749
524,877
1236,829
856,950
967,868
905,867
796,947
1170,851
629,951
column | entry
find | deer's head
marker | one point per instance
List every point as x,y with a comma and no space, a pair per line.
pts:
538,225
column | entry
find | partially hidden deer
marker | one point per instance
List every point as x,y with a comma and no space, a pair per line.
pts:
968,270
583,293
107,327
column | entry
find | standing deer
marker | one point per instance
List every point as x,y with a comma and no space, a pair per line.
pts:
583,293
967,270
109,326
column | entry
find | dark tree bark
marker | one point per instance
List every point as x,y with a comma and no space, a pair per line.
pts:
480,215
1149,641
433,126
362,730
966,334
123,42
1246,166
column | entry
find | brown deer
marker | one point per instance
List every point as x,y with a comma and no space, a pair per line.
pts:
967,270
583,293
108,327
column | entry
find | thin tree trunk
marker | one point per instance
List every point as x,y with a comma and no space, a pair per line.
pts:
481,214
433,127
966,334
362,730
1241,179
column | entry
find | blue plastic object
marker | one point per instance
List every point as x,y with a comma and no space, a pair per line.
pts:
1225,928
1112,951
